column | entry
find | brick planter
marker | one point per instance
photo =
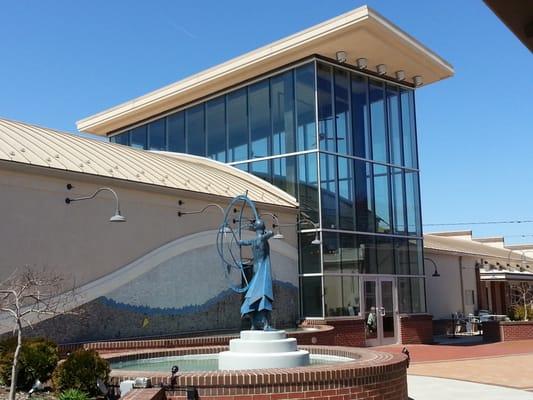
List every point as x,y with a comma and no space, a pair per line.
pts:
371,375
505,331
416,329
335,332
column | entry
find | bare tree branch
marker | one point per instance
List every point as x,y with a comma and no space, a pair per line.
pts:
25,297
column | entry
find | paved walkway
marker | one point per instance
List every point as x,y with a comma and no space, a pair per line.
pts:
425,388
506,364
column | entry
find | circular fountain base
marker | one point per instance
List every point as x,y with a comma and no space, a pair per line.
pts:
262,349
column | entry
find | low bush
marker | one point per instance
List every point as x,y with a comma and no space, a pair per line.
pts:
517,313
38,359
73,394
80,371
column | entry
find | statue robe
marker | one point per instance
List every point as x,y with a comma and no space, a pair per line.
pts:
259,295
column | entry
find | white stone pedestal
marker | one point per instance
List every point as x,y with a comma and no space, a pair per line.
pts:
260,349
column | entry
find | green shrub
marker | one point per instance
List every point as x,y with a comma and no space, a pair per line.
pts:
80,371
38,359
73,394
517,313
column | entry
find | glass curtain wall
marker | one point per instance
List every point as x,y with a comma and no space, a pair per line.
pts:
344,145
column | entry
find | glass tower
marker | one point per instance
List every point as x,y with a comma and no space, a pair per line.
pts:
344,144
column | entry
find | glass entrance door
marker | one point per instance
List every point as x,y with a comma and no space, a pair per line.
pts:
380,311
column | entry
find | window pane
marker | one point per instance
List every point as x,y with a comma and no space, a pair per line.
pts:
138,137
351,256
311,296
176,132
282,100
402,256
404,295
408,127
346,194
326,129
393,108
416,257
381,198
237,125
364,209
308,185
284,174
305,106
157,134
328,189
342,110
196,130
330,248
341,296
377,121
360,116
261,169
385,255
122,138
367,249
412,202
398,205
418,297
216,128
309,252
260,127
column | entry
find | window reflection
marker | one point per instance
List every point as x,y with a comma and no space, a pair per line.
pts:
259,110
346,193
382,199
398,200
282,100
305,106
328,190
216,128
377,121
195,130
309,254
326,128
176,132
393,109
138,137
237,125
341,296
412,202
408,127
360,116
342,112
311,293
157,135
308,185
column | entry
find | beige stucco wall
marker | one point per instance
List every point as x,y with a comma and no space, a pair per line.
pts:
38,229
443,293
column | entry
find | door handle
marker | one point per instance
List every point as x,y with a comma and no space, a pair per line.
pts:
382,311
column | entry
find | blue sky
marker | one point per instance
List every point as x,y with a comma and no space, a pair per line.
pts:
63,60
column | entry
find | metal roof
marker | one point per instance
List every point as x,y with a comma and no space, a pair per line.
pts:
29,144
470,247
360,33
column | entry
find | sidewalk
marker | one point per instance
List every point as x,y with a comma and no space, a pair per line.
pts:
506,364
425,388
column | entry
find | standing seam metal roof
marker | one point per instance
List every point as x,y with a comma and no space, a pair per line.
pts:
29,144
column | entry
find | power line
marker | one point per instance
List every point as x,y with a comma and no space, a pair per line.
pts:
525,221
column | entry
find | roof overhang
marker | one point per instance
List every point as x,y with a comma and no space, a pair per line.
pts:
360,33
505,276
518,16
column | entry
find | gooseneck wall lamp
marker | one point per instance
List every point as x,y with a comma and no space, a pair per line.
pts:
305,220
436,272
181,213
275,226
117,217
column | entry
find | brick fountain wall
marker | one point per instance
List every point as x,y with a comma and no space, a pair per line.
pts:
372,375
